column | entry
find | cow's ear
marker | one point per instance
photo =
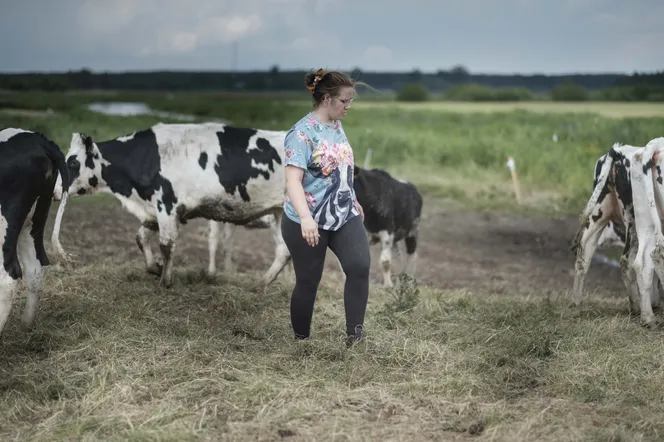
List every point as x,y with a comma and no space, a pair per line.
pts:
87,142
356,171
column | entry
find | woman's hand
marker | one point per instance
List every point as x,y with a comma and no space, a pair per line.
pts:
310,230
361,210
296,195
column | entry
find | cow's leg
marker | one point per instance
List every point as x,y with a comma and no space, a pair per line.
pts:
33,274
10,270
8,286
627,270
213,243
411,255
228,241
585,243
645,271
168,235
657,256
282,255
32,254
143,238
386,241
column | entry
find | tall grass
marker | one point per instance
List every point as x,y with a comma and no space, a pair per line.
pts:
462,153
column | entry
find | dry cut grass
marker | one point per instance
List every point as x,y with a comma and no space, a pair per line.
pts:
115,358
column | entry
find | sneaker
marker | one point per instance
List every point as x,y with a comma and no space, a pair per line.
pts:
357,336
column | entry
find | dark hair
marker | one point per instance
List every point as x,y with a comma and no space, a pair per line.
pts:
320,83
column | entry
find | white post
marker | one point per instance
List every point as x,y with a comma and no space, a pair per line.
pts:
515,180
367,158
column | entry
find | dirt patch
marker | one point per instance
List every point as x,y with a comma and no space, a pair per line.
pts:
480,252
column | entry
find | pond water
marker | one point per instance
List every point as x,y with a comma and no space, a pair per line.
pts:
137,108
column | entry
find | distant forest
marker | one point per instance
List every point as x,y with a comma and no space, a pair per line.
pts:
454,83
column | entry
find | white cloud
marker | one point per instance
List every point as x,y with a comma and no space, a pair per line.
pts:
102,16
170,26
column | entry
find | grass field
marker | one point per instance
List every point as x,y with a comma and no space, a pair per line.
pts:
483,347
615,110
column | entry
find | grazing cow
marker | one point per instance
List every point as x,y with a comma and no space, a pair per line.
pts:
628,186
392,211
611,201
29,165
170,173
648,197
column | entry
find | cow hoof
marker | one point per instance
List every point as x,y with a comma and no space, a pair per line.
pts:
27,324
648,323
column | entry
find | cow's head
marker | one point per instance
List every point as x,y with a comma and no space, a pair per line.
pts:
84,162
356,170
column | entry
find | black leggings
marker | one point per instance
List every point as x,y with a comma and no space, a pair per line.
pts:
351,246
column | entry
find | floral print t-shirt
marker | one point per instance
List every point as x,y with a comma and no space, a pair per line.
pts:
324,153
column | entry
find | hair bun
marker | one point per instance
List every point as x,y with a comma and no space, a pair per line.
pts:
309,80
312,79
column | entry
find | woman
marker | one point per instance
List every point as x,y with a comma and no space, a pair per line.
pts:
321,208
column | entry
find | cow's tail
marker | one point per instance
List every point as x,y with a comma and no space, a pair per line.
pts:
55,154
611,156
55,237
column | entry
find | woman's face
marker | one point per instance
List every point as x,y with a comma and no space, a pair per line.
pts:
339,105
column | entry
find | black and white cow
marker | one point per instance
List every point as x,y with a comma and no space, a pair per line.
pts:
647,181
392,210
170,173
625,192
610,201
29,166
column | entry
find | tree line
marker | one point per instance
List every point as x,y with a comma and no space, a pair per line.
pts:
456,83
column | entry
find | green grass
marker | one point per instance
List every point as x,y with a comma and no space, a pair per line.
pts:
606,109
450,149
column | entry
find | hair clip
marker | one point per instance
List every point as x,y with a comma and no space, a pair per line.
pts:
320,73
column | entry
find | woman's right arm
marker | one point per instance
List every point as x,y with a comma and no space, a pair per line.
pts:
298,200
296,191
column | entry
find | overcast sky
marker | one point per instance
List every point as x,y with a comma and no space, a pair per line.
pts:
486,36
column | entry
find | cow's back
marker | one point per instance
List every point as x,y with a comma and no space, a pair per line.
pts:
215,167
26,171
388,204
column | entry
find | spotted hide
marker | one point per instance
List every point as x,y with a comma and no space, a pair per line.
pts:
392,211
648,200
610,201
624,194
29,167
170,173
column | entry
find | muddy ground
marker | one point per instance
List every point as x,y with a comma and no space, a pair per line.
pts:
480,252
